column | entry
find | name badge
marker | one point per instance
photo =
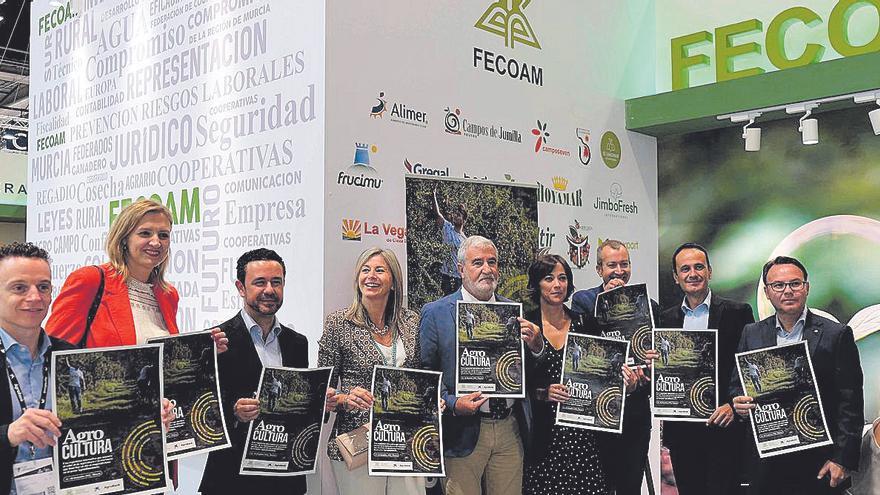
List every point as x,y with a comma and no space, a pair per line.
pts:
34,477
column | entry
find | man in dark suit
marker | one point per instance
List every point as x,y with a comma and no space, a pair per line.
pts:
482,439
838,373
706,458
256,339
26,432
624,456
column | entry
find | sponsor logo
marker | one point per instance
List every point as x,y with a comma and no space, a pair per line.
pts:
614,205
361,173
609,148
545,241
506,19
584,154
420,169
355,230
399,112
578,244
476,177
630,245
456,125
541,141
559,194
351,230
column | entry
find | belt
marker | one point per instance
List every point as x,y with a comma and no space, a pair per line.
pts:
496,416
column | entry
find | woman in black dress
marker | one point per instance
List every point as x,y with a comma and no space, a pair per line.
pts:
561,460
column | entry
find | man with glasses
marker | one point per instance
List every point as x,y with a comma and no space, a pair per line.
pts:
624,456
839,377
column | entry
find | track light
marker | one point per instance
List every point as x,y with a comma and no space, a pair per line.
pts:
874,115
752,136
809,128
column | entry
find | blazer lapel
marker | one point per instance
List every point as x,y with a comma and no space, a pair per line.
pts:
768,332
715,311
362,339
812,332
119,309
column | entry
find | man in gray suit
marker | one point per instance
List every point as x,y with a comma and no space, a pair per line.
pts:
482,439
838,372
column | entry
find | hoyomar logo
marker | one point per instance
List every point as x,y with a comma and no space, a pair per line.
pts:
505,18
351,230
560,195
400,113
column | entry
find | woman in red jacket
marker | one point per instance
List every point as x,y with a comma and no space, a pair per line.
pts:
136,303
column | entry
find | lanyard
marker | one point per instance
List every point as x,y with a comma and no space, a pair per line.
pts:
16,386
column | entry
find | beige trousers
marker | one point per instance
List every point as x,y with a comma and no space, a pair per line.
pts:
498,456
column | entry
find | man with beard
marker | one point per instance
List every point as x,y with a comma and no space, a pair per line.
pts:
624,456
256,339
706,457
482,438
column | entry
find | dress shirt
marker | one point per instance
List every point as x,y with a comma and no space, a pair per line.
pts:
268,350
797,331
29,372
697,318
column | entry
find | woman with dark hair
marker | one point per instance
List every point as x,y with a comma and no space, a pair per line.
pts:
561,460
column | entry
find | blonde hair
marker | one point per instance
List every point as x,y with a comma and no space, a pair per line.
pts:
357,313
124,225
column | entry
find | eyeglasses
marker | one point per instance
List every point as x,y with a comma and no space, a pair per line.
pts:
794,285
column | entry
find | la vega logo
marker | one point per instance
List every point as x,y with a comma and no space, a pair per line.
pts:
354,230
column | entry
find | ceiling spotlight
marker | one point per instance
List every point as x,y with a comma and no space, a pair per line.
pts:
752,136
874,115
809,128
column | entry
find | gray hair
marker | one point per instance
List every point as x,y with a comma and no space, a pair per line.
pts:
608,243
473,241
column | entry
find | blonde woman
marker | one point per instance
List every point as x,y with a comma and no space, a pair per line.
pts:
375,330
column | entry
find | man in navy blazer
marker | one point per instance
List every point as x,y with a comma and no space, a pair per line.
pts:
839,377
481,438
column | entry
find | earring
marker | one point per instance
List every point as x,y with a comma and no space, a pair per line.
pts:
125,247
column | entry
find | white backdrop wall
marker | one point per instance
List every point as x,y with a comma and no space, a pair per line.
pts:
429,58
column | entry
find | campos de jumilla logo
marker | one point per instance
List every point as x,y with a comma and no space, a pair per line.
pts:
506,18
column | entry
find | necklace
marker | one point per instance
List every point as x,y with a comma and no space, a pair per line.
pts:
393,361
375,329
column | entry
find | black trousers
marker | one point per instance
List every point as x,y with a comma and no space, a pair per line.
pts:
624,456
705,460
793,473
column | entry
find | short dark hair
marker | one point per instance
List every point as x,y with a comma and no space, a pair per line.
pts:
261,254
540,268
689,245
24,250
782,260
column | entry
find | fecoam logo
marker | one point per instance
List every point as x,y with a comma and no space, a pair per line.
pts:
584,154
541,143
614,205
458,126
560,195
361,171
399,112
505,18
354,230
420,169
578,244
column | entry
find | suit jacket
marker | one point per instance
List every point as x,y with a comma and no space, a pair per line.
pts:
7,451
239,373
350,350
838,375
437,334
113,324
729,318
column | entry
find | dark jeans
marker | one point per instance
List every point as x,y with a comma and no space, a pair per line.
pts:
75,394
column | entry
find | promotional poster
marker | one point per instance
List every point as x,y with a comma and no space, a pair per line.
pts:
685,377
592,374
283,440
192,386
625,313
109,404
442,213
490,349
405,431
789,415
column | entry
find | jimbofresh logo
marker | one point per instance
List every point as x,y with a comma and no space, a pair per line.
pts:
614,205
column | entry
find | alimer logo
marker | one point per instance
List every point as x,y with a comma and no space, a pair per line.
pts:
351,230
506,18
399,112
362,173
